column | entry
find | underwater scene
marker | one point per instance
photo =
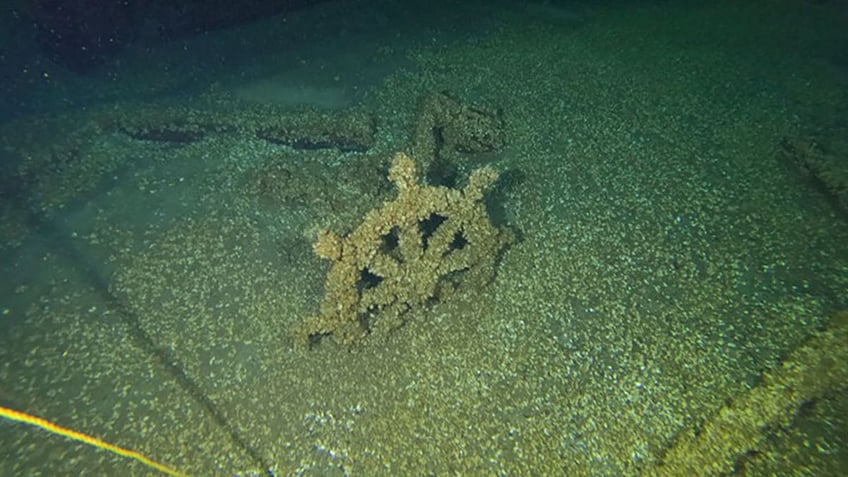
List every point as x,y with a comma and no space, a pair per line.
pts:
409,238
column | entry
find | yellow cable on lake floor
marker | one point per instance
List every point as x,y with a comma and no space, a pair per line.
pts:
48,426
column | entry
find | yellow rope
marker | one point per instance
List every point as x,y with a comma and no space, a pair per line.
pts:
78,436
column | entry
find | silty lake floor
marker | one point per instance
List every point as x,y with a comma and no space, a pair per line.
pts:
669,255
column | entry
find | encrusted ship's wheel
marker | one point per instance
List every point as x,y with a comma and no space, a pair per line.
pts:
418,247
